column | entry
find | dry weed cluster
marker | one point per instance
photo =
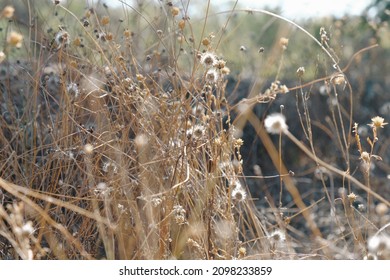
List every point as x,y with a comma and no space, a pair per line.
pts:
118,140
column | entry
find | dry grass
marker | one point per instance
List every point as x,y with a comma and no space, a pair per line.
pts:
120,141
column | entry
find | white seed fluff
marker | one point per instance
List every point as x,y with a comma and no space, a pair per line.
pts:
275,123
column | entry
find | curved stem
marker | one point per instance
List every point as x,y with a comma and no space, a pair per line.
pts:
334,169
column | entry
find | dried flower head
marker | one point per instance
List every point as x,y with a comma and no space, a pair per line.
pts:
102,190
182,24
196,132
175,11
338,79
381,209
61,39
15,39
352,197
180,214
238,193
365,156
283,89
141,140
378,242
238,143
156,201
206,42
8,12
110,166
180,38
283,43
324,35
321,173
301,71
160,32
73,89
208,59
105,20
127,33
275,123
378,122
140,77
212,76
219,64
88,149
277,236
225,71
27,228
241,252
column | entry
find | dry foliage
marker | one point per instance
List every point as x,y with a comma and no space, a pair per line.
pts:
121,143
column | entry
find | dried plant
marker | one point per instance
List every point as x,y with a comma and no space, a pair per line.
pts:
120,140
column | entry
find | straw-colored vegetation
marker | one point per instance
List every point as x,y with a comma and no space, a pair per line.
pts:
161,131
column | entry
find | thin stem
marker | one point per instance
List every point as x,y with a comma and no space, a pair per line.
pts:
334,169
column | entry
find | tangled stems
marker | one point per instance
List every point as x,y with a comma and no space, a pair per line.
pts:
334,169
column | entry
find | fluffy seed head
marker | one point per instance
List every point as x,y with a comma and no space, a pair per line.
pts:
275,123
238,193
141,140
241,252
278,236
378,243
62,39
88,149
365,156
198,131
212,76
110,165
182,24
323,34
208,59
